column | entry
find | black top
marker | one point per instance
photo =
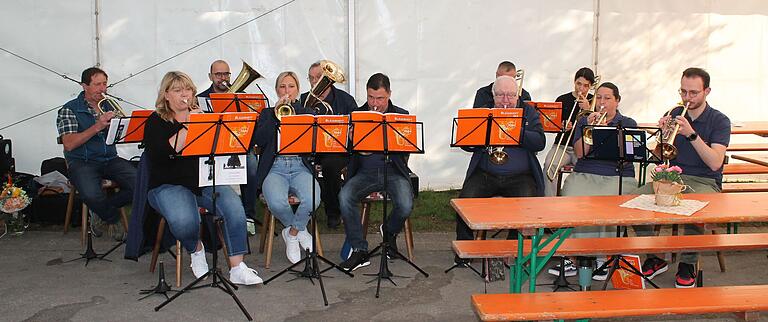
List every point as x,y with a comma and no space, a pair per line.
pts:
163,168
484,96
569,102
341,102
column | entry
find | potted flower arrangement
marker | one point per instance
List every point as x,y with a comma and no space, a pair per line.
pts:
667,185
12,200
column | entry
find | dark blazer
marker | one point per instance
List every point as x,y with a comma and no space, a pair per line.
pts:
533,140
398,159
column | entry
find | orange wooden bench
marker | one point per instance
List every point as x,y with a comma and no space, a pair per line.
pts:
744,168
745,301
745,186
747,147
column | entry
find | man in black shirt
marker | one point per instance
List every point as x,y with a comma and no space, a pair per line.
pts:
342,104
577,99
484,95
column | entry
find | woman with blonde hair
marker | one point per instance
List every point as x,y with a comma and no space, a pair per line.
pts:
173,183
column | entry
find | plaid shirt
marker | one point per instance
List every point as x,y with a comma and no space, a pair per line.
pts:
66,121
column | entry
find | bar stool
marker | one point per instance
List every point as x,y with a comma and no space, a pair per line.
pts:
365,211
268,229
108,186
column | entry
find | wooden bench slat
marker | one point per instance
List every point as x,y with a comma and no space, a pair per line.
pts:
620,303
745,186
747,147
613,246
744,168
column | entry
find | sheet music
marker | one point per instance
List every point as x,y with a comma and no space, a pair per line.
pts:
205,104
230,169
117,127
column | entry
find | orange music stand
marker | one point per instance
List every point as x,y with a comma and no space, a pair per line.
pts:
210,135
485,127
386,133
237,102
310,135
551,115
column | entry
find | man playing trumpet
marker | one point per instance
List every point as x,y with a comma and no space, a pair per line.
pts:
83,130
703,136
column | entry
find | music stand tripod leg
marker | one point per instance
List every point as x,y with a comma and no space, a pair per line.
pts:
217,279
311,265
90,253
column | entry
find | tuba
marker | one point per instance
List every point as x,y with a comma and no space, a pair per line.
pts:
553,168
246,76
111,102
666,146
332,73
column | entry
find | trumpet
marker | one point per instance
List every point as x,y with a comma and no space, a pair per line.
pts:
284,109
554,168
600,121
110,102
666,146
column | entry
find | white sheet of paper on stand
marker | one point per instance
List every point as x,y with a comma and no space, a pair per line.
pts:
230,169
117,128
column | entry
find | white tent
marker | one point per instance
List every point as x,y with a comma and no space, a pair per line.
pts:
437,54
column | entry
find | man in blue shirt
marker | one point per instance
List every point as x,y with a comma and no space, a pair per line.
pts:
342,104
701,142
365,174
520,175
83,130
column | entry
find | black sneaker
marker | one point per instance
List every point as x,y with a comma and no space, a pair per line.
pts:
333,221
359,258
458,261
686,276
654,266
393,250
570,269
600,274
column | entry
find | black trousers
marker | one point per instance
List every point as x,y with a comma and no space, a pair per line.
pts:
481,184
331,183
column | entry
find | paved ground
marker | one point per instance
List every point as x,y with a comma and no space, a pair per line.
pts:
38,286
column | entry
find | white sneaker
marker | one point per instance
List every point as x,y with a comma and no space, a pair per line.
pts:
292,248
199,264
570,269
244,275
305,240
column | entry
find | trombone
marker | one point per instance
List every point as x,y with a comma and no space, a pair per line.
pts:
110,102
666,145
553,169
496,153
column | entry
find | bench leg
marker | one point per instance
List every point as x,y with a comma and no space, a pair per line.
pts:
83,224
270,242
158,241
720,256
264,229
178,263
409,238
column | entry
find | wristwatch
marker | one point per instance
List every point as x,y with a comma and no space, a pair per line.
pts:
692,137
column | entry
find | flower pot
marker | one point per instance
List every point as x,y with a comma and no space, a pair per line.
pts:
667,193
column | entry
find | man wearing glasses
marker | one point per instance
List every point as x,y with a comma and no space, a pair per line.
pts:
701,142
219,77
520,175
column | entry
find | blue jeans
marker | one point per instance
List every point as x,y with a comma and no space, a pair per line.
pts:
289,175
179,206
365,182
249,191
87,176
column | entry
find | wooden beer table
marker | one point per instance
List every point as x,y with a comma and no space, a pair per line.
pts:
564,213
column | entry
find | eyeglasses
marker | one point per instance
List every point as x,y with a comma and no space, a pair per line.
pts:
222,74
510,96
685,93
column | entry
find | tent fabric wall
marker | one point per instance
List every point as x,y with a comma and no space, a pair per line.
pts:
437,54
